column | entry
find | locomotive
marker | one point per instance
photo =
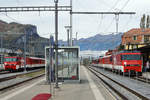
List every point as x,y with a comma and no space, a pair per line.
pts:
17,63
123,62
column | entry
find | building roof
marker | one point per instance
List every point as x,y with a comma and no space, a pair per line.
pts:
137,31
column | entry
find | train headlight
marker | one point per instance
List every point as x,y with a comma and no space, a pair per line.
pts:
125,63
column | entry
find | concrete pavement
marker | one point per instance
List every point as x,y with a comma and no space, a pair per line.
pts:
86,90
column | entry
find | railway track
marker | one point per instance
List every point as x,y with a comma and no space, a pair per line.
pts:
139,78
105,79
8,72
142,79
17,75
17,84
4,72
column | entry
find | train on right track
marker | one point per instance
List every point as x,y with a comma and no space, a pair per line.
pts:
126,62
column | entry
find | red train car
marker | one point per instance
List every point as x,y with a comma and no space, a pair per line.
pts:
124,61
128,61
95,62
17,63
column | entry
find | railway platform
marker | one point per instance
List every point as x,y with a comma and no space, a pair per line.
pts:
86,89
146,75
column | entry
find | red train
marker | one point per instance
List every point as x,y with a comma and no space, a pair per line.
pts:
124,62
17,63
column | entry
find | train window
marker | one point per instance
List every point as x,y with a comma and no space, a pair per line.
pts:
10,59
130,57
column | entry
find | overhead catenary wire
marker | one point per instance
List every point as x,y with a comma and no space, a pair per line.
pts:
130,15
110,25
126,3
100,23
128,22
117,16
10,17
113,7
109,5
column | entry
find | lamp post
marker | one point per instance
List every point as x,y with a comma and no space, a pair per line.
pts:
68,28
56,42
76,37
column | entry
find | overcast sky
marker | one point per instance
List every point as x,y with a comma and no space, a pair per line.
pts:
85,25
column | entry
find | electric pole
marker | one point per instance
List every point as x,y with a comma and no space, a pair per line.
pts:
56,42
25,37
117,21
70,22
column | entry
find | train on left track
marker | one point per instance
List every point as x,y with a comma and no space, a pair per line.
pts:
15,63
127,62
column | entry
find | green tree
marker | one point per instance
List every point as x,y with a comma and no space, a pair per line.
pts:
148,22
142,23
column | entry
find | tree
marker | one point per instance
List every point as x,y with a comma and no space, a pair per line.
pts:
148,22
142,23
145,21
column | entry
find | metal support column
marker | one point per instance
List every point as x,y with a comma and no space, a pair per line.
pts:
117,21
71,23
56,42
25,50
68,36
1,50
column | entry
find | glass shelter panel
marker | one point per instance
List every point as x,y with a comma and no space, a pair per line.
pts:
68,63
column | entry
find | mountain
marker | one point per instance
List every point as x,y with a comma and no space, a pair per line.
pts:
13,35
100,42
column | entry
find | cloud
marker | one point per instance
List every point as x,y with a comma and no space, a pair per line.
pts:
85,25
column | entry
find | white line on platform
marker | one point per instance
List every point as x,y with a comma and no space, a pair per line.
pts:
96,92
20,91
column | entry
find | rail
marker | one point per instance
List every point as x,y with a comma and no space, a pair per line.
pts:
97,73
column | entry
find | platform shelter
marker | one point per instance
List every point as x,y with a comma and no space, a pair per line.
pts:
68,63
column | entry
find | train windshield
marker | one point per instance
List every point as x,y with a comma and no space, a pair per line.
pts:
10,59
131,57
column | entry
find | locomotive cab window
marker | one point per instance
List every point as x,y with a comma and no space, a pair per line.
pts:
10,59
130,57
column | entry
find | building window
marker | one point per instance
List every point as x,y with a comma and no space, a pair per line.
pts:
134,37
146,38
